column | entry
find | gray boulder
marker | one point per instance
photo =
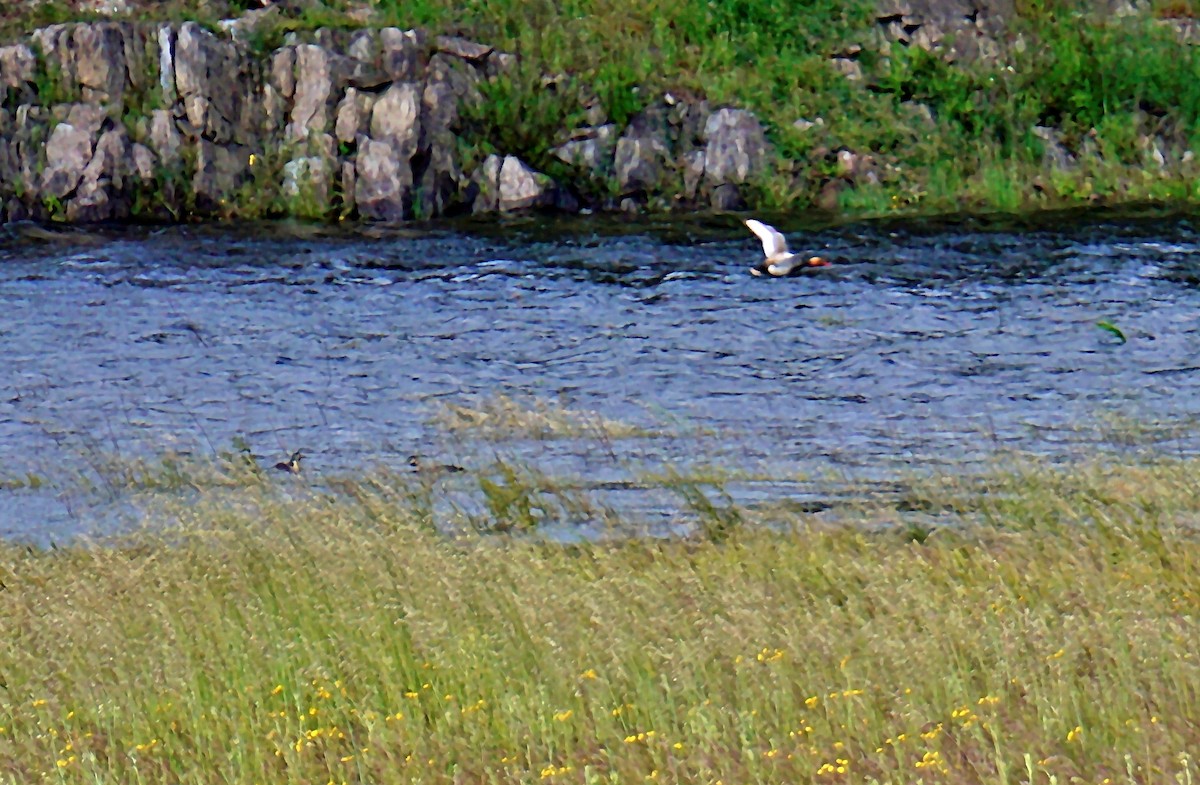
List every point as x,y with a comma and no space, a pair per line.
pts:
353,115
166,64
463,48
404,53
164,137
590,149
97,197
509,185
68,151
396,118
220,170
313,93
218,87
642,153
99,51
383,182
17,65
736,146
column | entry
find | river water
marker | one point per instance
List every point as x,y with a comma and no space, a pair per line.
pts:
930,346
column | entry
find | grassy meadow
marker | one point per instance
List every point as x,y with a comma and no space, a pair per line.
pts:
265,628
1124,92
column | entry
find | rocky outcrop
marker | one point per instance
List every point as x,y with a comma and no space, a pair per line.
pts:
101,120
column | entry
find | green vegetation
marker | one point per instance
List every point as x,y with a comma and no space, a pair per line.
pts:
1043,632
1121,94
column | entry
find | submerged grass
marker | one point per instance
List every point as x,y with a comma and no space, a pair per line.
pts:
338,638
501,417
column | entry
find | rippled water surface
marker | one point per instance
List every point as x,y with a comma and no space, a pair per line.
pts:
932,346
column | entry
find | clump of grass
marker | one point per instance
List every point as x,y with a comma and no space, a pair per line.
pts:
502,418
173,472
717,520
314,639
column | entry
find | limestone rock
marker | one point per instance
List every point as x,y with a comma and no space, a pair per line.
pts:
283,71
736,146
110,159
484,190
693,173
641,154
68,152
220,169
89,117
164,137
353,115
461,47
404,53
395,118
142,161
448,83
521,187
364,46
17,65
166,64
100,68
314,91
217,86
54,44
847,67
194,47
726,196
383,183
97,197
306,183
508,185
589,148
242,27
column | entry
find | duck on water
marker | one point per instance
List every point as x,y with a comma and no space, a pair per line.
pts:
780,261
292,464
417,464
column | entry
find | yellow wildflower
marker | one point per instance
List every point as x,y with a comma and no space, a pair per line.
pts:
932,760
1074,733
563,716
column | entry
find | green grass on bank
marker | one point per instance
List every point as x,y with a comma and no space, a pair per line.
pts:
1047,637
1107,84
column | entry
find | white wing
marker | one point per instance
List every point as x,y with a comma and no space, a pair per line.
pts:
773,242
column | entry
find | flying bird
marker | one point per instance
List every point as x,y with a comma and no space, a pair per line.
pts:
780,261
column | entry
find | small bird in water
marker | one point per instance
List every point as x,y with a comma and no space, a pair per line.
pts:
779,260
291,465
439,468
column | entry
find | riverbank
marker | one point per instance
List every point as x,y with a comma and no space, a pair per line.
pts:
188,110
1046,632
